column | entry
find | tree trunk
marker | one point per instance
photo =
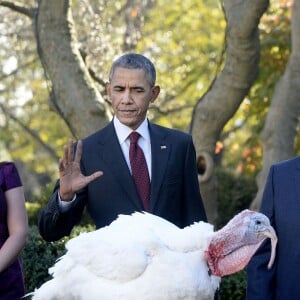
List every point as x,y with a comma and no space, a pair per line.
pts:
73,94
280,128
227,92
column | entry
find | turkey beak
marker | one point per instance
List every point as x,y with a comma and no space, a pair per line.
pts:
270,233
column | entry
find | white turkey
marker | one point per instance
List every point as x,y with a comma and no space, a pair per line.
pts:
142,256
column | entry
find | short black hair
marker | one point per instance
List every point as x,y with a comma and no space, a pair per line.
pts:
135,61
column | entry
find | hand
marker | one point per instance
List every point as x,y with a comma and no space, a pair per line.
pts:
71,178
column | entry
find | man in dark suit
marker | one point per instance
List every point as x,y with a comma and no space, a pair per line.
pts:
281,203
98,175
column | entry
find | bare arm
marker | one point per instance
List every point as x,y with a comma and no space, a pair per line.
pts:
71,178
17,227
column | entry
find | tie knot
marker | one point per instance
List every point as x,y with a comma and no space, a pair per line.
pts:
134,136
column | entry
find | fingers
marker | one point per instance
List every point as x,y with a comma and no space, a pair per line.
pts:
68,152
93,176
63,162
78,152
70,156
61,166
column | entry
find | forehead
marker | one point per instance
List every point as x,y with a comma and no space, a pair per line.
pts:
124,76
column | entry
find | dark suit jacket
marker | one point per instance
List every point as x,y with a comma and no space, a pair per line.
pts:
175,193
281,203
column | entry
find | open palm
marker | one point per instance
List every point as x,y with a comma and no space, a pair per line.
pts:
71,178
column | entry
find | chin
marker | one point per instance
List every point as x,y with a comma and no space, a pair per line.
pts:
130,122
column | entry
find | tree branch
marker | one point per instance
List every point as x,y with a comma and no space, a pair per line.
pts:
18,7
32,133
19,69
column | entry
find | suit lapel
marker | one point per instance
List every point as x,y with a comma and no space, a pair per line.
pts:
111,153
160,149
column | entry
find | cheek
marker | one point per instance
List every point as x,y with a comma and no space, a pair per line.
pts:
143,104
114,101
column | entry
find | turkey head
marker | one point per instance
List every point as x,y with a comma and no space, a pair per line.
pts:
232,247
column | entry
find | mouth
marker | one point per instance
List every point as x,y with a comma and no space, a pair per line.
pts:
127,112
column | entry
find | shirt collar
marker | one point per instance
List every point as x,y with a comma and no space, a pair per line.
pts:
123,131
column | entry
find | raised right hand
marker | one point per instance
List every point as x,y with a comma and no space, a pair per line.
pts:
71,178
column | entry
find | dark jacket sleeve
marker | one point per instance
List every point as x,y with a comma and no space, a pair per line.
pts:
54,224
261,280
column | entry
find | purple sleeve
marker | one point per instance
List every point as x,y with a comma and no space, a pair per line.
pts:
11,177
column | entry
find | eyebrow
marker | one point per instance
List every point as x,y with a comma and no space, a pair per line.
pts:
137,87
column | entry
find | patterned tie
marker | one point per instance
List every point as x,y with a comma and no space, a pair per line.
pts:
139,170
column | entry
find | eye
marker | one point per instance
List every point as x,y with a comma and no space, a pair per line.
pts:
118,89
139,90
257,222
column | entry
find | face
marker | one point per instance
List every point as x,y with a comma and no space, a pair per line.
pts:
130,94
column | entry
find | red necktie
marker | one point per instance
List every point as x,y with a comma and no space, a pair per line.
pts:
139,170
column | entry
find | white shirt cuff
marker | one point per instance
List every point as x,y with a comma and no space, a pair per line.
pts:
65,205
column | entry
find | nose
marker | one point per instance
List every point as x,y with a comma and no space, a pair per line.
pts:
127,97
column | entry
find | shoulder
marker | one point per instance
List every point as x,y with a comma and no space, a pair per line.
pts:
8,167
170,132
10,176
286,166
100,135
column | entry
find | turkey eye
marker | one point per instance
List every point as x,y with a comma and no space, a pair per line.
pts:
258,222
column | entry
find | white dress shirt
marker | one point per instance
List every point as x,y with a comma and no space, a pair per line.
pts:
123,133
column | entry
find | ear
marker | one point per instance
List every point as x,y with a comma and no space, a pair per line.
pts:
108,89
155,93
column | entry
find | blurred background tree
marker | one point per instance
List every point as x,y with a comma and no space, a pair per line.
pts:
33,133
187,42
